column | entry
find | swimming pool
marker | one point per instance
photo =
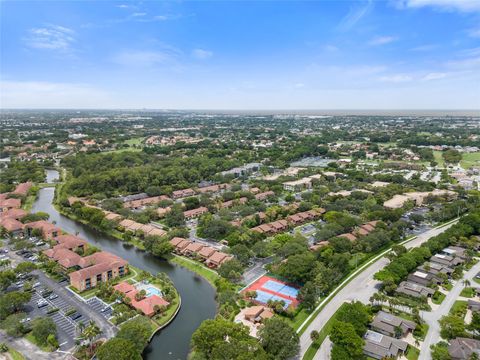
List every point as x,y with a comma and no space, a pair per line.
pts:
152,290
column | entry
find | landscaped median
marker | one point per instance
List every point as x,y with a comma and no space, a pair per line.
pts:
354,274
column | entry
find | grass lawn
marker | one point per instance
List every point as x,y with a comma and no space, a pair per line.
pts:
15,354
27,206
134,141
87,294
162,319
438,297
470,159
31,338
448,286
468,292
437,155
298,319
412,353
196,267
459,307
323,333
476,280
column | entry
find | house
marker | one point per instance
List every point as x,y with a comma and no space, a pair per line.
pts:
179,244
423,278
387,324
140,203
257,314
298,185
66,258
147,305
348,236
12,226
178,194
230,203
23,188
48,230
161,212
264,195
191,214
217,259
8,204
319,245
192,249
206,252
16,214
379,346
415,290
70,242
456,251
98,267
463,348
435,269
242,170
474,305
112,216
446,260
213,188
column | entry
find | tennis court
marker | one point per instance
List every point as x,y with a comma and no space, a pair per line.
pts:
268,288
280,288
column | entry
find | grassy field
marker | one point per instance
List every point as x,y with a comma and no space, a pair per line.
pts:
470,159
437,155
31,338
438,297
15,354
412,353
208,274
468,292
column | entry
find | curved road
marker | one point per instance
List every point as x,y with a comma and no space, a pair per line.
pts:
361,288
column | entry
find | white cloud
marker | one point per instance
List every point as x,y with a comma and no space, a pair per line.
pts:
381,40
123,6
434,76
40,94
144,58
354,15
52,37
396,78
137,14
444,5
202,54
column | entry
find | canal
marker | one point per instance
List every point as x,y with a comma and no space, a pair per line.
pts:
198,296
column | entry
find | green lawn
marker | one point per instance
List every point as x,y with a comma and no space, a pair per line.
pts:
298,319
15,354
209,274
468,292
31,338
323,333
412,353
470,159
437,155
134,141
459,307
438,297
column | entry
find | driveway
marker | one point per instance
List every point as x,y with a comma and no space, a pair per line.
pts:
361,288
432,317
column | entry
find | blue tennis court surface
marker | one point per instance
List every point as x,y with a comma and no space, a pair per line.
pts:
264,297
280,288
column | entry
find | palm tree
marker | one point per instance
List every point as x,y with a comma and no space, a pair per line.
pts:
90,333
466,283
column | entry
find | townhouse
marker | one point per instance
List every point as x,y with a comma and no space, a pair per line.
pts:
179,194
194,213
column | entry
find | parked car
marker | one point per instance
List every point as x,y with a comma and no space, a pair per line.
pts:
25,320
39,243
35,285
41,303
53,296
75,316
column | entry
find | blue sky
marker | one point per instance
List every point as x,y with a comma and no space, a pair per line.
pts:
398,54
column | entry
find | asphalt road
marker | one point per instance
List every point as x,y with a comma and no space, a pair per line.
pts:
361,288
432,317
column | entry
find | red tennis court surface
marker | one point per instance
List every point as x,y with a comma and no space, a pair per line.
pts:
268,288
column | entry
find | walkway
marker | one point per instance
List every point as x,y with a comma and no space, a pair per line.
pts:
432,317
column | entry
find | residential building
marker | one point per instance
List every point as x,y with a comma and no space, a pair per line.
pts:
379,346
388,324
191,214
463,348
48,230
179,194
413,289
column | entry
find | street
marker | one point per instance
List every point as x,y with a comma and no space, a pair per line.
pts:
361,288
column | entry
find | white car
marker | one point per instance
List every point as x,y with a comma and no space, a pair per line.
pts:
35,285
23,321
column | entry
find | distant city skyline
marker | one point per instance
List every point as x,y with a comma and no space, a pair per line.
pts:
397,54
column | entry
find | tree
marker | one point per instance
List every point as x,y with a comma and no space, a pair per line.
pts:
12,302
42,327
279,339
231,270
118,349
7,277
356,314
215,337
175,218
25,267
314,335
90,332
13,325
452,326
439,351
475,323
138,331
345,341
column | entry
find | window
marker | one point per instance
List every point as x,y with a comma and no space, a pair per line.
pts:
121,270
99,278
109,274
88,283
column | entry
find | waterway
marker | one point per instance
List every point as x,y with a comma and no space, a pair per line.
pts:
198,296
52,176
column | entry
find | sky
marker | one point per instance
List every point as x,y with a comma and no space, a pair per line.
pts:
392,54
